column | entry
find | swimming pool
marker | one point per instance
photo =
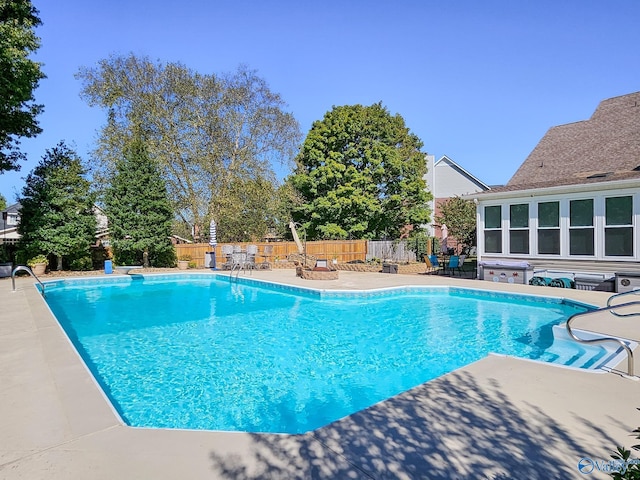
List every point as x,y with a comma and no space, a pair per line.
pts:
199,352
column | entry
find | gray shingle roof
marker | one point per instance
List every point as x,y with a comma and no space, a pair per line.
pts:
608,143
15,208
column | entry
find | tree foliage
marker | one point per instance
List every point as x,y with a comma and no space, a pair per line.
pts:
3,202
214,137
56,216
19,77
139,211
460,217
626,466
360,175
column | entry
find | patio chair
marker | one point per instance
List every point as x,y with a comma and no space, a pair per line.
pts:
461,264
430,268
238,261
227,250
435,264
266,258
453,264
250,259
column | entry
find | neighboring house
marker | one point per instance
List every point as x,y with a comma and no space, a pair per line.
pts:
11,218
102,227
574,204
9,226
446,179
176,240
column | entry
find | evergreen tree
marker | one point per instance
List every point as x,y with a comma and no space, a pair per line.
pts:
57,215
19,77
360,175
139,211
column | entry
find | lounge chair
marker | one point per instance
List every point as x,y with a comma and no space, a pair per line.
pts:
430,268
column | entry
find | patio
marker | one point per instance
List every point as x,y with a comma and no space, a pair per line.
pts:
499,417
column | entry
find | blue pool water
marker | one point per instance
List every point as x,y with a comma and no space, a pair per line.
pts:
199,352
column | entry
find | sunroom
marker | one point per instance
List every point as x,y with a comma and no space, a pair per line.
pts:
587,228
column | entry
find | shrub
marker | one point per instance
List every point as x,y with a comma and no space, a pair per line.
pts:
81,264
630,468
37,259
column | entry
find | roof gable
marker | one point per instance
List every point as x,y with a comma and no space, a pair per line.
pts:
446,161
608,143
15,208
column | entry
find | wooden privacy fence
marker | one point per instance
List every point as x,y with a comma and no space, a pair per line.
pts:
342,250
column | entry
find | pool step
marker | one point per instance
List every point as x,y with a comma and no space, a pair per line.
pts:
573,354
566,351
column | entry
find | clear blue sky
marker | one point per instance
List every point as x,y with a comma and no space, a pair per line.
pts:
480,81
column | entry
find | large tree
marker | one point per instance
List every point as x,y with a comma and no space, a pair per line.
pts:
19,77
139,211
215,137
460,217
360,175
56,217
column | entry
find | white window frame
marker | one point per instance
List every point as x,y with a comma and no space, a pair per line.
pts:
605,226
536,219
520,229
592,227
564,200
494,229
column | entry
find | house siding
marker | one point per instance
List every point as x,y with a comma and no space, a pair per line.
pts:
451,182
445,179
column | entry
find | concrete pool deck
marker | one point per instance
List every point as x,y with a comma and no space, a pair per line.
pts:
499,417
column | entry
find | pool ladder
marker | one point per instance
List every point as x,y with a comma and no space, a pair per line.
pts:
237,267
23,268
611,308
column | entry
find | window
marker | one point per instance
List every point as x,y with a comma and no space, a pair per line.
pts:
493,229
519,228
549,228
581,227
618,232
12,219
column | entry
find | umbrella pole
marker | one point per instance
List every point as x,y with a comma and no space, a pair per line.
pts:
214,258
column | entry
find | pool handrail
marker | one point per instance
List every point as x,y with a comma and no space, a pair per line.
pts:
602,339
623,294
23,268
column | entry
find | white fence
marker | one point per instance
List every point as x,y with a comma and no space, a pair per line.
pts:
390,251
